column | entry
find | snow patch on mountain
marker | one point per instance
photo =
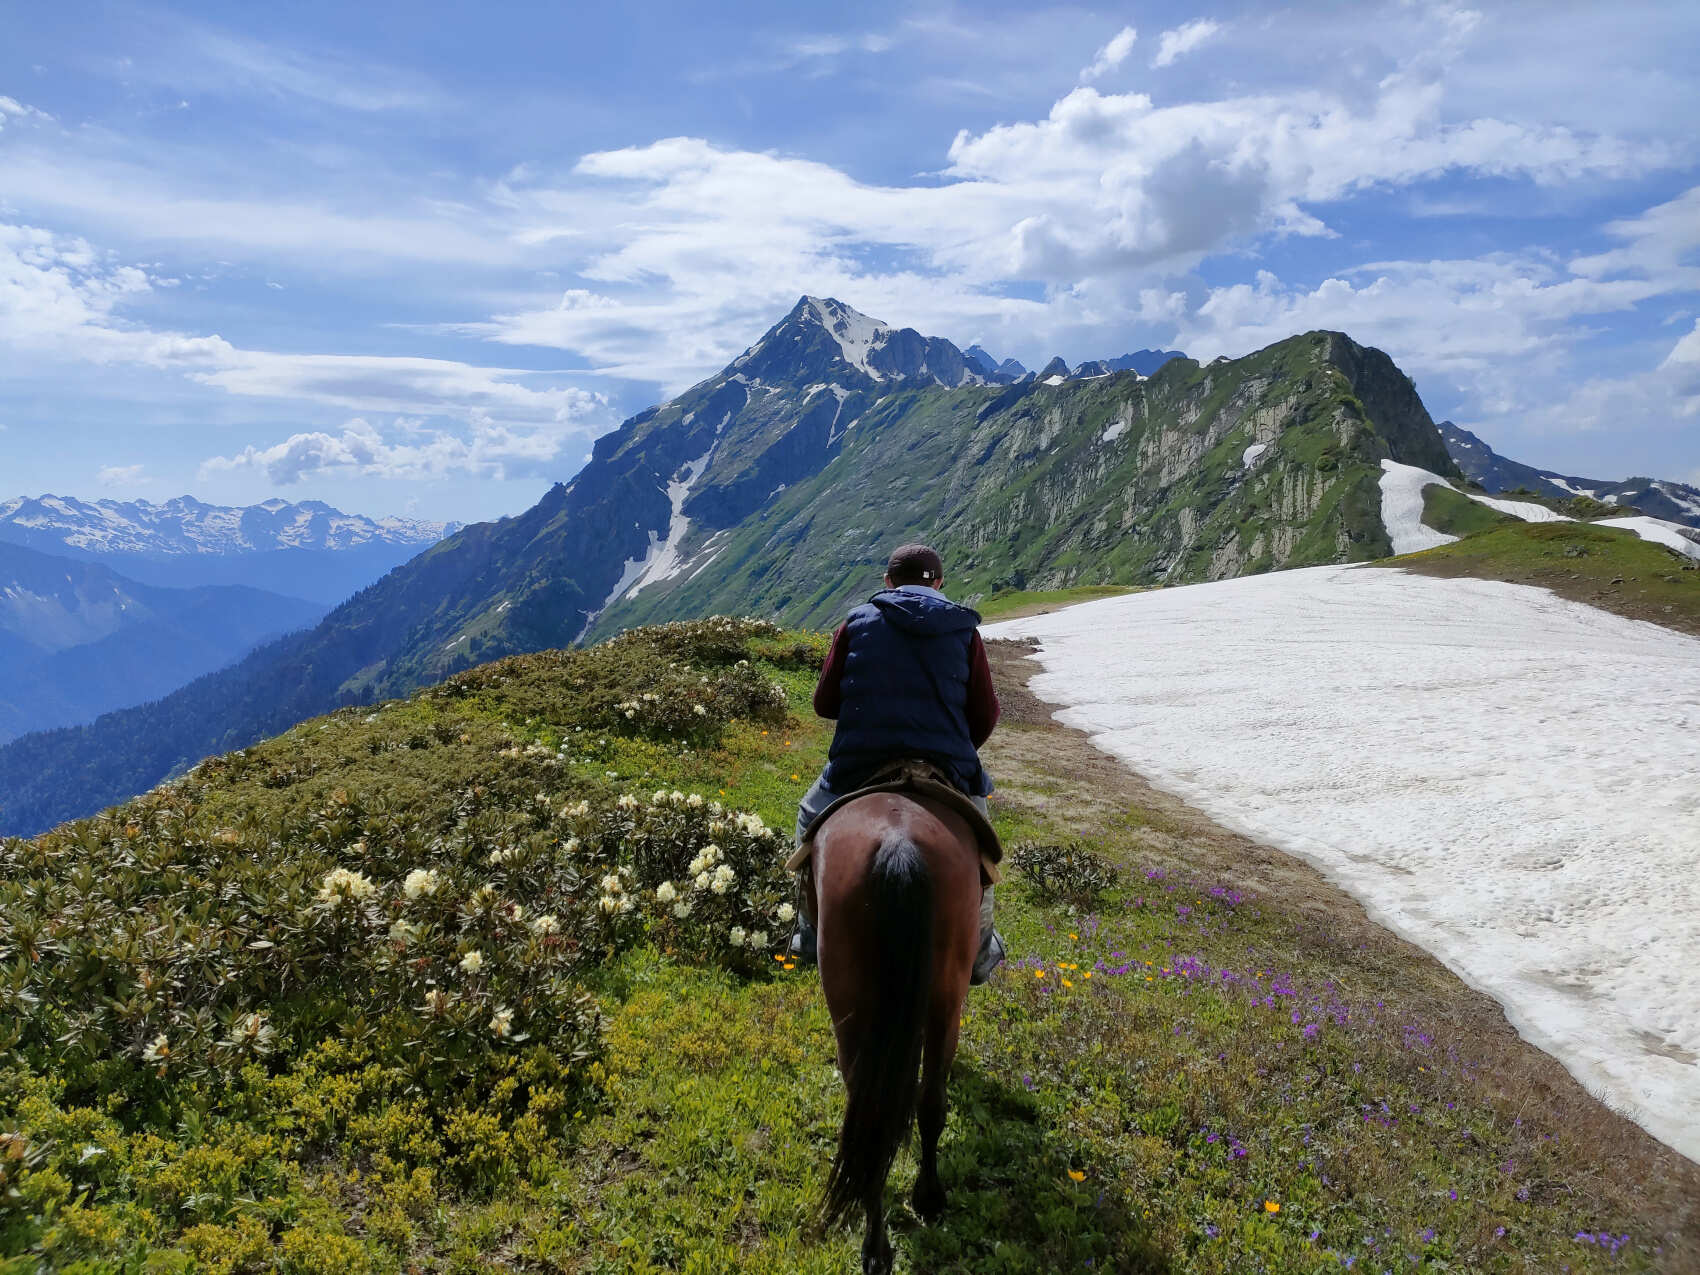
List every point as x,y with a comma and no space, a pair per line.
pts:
857,334
1671,534
1402,508
1402,514
1248,458
1502,776
186,526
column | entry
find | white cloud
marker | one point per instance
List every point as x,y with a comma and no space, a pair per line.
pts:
61,299
1112,54
1682,367
487,450
11,108
1184,39
122,476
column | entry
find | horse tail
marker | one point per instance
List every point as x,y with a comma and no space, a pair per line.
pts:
883,1077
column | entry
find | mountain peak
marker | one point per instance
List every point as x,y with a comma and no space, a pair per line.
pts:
857,334
824,340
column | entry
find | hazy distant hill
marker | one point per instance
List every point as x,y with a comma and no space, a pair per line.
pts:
78,640
778,486
304,550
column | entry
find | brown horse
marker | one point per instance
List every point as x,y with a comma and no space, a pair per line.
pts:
897,881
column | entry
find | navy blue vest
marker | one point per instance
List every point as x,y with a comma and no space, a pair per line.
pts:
904,692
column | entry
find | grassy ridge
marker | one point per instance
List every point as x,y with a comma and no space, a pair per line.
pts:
1178,1071
1608,567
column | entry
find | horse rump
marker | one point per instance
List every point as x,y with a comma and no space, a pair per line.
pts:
884,1070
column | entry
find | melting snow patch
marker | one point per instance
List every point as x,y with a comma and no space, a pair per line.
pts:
1252,453
1055,380
1659,531
1116,430
1402,508
1502,776
1402,513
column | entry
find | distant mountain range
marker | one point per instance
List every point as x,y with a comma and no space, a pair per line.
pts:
1658,498
78,640
777,487
1009,371
305,550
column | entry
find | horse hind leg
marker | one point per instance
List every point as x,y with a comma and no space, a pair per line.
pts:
876,1244
929,1196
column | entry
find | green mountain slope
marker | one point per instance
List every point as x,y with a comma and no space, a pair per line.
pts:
779,485
1115,479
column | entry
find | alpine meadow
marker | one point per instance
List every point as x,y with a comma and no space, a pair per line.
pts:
477,481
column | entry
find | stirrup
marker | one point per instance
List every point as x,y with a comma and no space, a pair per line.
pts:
989,957
801,948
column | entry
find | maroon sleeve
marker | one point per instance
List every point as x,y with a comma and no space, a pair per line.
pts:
982,698
827,694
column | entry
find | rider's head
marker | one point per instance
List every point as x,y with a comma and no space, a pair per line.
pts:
914,564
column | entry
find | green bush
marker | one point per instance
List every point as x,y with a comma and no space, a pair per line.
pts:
1070,872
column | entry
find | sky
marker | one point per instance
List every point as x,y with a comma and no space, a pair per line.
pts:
413,258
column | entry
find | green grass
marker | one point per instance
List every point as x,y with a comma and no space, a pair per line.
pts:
1014,602
1150,1074
1452,513
1608,567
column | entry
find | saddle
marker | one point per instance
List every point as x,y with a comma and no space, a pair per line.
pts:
923,779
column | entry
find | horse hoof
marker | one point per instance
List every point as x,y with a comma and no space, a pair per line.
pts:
876,1257
928,1201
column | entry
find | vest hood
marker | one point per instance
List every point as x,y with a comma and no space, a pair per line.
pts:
924,611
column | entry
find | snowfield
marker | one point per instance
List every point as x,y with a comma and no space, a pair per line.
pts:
1503,777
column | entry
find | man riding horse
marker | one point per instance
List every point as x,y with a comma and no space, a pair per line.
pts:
906,678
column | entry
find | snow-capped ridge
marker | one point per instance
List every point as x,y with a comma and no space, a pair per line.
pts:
185,526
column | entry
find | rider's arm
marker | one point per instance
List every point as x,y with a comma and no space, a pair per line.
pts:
827,694
982,698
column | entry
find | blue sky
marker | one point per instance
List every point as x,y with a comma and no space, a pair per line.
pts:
414,258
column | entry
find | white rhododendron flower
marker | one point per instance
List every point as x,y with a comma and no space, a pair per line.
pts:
737,936
340,884
699,710
472,962
758,939
611,884
571,845
158,1050
420,883
694,801
682,909
609,904
626,800
724,879
665,893
659,797
546,925
502,1022
786,913
405,933
702,881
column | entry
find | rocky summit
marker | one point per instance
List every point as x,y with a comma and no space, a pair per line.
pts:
778,486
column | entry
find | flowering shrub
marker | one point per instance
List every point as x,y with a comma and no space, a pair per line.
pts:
367,944
1070,872
707,882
